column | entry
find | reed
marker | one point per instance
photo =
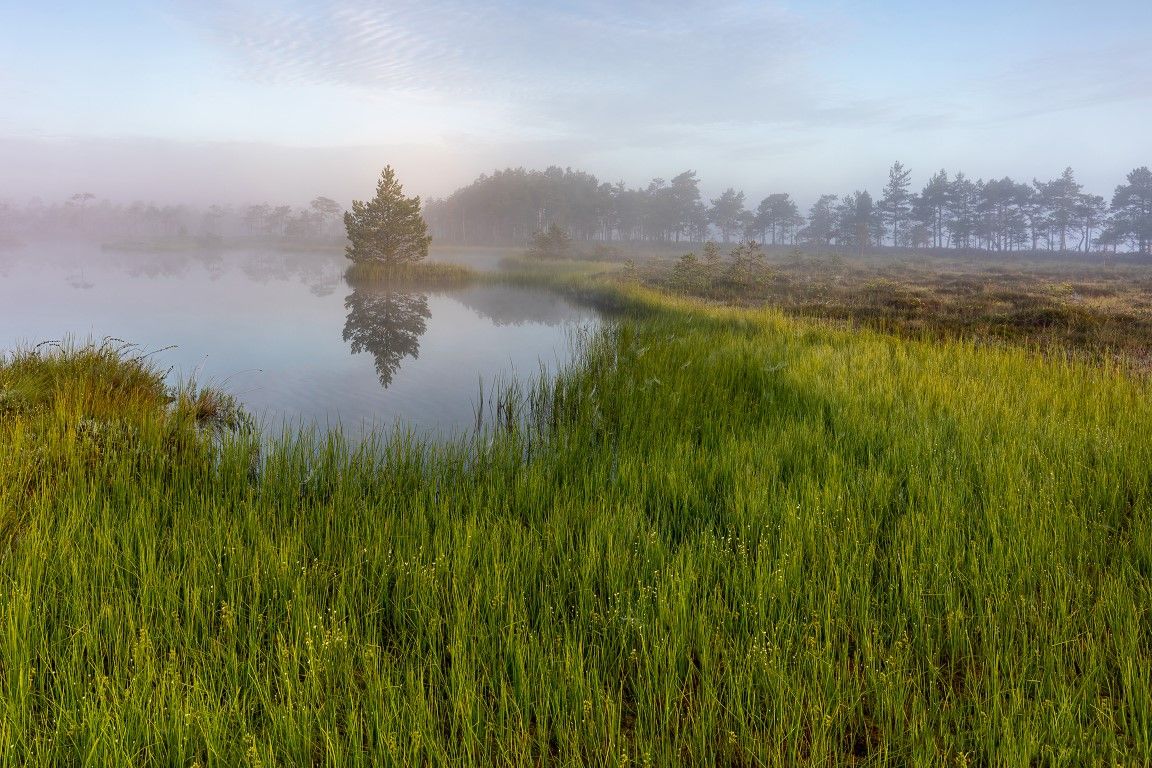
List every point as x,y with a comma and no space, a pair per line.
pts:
421,274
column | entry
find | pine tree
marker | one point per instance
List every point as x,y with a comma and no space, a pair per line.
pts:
726,213
551,243
387,229
962,196
1060,198
931,207
775,217
1132,209
821,221
896,204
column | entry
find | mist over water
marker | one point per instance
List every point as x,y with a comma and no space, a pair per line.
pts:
287,335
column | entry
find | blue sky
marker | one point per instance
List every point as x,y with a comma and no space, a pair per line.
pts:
243,100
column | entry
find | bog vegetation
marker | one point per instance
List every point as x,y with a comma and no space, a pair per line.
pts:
1066,307
722,537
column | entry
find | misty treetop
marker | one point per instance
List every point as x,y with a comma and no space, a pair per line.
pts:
388,229
86,216
511,206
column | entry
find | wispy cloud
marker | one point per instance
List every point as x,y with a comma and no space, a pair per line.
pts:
780,93
328,42
1075,76
562,69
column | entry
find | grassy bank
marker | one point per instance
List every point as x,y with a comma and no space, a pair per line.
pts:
724,537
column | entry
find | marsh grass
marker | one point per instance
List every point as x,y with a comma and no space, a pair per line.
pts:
738,539
1093,309
419,274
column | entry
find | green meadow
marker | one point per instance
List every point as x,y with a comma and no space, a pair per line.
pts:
721,537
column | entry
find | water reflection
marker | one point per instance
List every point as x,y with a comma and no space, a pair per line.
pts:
321,272
388,324
80,282
325,286
283,330
506,305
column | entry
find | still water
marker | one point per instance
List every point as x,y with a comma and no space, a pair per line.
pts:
288,336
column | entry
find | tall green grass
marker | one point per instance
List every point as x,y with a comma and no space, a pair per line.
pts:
720,538
416,274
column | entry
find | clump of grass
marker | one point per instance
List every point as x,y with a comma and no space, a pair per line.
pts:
212,410
99,410
421,273
82,379
722,536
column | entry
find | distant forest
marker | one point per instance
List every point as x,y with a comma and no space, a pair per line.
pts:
509,206
84,215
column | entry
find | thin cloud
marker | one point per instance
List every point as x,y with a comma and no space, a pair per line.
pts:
1073,78
326,43
568,70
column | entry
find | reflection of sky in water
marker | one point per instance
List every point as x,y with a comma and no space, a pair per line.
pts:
269,327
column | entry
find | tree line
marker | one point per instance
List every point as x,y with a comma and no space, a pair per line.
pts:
85,215
950,211
510,207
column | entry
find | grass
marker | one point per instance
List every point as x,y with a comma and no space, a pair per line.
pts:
722,537
422,273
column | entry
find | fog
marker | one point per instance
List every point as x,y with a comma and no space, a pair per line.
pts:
230,173
245,102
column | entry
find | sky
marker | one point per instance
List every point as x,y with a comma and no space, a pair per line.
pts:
244,101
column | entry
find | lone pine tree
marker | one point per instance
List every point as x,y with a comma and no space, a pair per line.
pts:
388,229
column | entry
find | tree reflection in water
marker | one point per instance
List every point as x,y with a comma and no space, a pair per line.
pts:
388,324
